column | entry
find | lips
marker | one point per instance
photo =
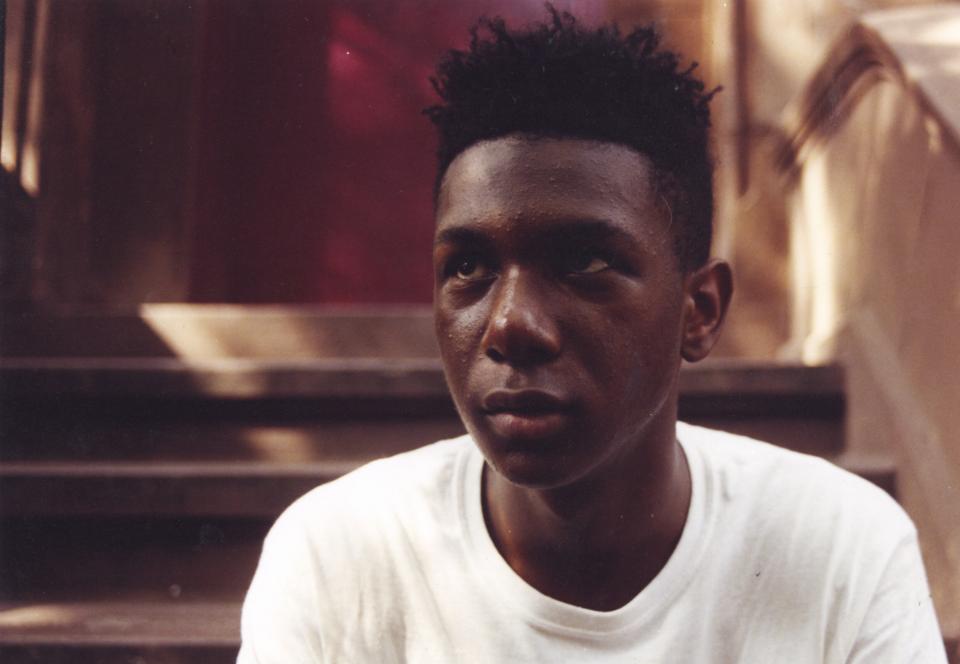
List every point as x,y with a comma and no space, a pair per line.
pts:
525,414
523,402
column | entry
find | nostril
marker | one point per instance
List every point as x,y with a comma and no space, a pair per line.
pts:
495,355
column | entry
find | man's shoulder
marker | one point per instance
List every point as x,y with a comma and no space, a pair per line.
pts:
777,484
353,548
794,536
379,489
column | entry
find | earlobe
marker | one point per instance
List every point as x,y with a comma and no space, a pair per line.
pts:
708,292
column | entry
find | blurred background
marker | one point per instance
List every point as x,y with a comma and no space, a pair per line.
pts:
215,229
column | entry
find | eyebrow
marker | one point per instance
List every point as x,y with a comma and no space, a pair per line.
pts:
577,229
589,229
460,235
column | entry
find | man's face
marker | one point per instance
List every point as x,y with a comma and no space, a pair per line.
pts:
559,304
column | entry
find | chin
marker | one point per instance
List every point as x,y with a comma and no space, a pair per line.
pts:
543,468
531,475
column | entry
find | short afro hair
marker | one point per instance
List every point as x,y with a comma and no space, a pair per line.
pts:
559,79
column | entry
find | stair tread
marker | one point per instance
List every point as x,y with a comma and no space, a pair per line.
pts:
178,469
258,469
217,440
216,488
161,378
155,441
332,377
146,624
228,489
135,623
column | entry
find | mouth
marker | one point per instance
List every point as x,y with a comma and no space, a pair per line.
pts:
526,414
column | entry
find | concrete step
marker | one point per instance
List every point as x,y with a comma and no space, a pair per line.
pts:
259,489
363,377
109,557
135,493
111,409
117,488
252,431
142,633
224,331
189,535
127,437
119,632
157,438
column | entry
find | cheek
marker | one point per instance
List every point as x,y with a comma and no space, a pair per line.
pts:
640,344
458,333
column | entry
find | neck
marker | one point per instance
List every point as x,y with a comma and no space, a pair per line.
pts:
598,542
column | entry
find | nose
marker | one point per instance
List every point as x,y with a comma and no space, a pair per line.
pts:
521,329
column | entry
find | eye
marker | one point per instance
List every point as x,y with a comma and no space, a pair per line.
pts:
467,268
587,261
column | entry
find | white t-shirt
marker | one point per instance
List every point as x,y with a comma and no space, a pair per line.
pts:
783,558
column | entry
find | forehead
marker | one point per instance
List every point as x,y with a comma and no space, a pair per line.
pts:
515,178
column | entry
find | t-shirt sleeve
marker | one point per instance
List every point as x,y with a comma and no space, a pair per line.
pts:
900,624
280,613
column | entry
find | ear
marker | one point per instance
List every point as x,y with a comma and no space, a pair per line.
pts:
707,297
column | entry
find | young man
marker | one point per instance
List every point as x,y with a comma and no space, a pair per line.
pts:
578,521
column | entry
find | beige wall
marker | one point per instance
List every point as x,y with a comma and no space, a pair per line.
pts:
873,210
789,39
764,53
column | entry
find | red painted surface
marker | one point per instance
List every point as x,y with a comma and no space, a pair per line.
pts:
315,165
